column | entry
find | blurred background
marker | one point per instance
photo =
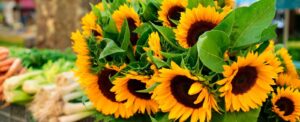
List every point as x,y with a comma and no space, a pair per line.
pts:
48,23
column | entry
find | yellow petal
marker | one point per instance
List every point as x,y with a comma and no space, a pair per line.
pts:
195,88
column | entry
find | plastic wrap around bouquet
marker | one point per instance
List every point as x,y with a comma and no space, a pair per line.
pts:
185,60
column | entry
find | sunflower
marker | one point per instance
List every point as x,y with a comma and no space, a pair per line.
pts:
170,10
195,22
175,95
285,79
100,6
247,83
287,63
126,89
81,49
286,104
90,26
154,45
97,86
127,13
271,59
271,46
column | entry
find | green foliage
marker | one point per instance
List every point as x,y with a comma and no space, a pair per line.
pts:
269,33
250,116
168,35
211,48
195,3
150,89
124,39
36,58
158,62
116,3
262,47
243,27
110,48
150,11
110,30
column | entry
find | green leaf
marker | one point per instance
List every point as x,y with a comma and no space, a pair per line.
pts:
110,48
250,116
116,3
172,55
96,10
158,62
269,33
279,46
152,119
195,3
142,41
162,117
150,89
262,47
110,30
143,28
246,24
169,36
124,37
150,12
111,27
174,21
211,48
192,56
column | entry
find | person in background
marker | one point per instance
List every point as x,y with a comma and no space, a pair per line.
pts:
27,9
8,12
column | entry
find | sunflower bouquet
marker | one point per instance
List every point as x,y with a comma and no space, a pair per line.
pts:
185,60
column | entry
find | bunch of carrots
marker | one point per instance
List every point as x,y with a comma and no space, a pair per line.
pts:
8,67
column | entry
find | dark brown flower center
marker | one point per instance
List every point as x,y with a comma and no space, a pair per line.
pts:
286,105
132,27
180,86
134,85
174,14
244,80
196,30
96,33
105,84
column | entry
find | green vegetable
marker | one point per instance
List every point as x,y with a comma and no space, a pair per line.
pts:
17,96
17,81
36,58
76,117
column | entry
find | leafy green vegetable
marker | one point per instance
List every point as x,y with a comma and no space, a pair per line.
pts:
36,58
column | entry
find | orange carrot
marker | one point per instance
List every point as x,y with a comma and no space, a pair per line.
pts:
23,70
3,57
4,68
6,62
14,68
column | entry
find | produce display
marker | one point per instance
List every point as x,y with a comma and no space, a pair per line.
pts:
185,60
8,67
43,81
